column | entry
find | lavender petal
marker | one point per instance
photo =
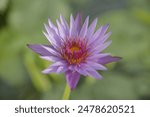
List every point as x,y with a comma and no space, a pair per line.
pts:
96,65
91,29
108,59
51,58
52,26
78,23
38,48
72,29
65,24
93,73
50,70
84,28
72,78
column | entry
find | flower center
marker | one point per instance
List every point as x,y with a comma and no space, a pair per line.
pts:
74,48
74,51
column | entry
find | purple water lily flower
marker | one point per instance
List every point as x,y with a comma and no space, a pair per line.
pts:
75,49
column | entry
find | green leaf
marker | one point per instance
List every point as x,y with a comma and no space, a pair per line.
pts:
40,81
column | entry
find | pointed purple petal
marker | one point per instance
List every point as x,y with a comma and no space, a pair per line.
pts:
106,36
65,24
51,58
81,69
95,48
96,56
38,48
92,39
57,67
103,46
72,78
93,73
52,50
52,26
105,28
49,38
71,67
76,68
102,32
61,69
50,70
61,29
99,34
72,29
91,29
52,36
101,39
84,28
78,22
108,59
59,63
96,66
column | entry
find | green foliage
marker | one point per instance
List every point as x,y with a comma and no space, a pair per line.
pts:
21,22
3,5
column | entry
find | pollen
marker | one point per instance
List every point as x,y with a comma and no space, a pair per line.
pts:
74,48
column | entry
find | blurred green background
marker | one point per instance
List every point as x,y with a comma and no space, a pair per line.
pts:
21,22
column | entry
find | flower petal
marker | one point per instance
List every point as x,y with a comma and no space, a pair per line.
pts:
100,32
52,26
51,50
50,70
72,78
106,36
65,24
72,32
78,23
57,67
100,47
104,46
96,56
91,29
61,30
108,59
98,35
51,58
93,73
61,69
52,36
105,28
101,39
59,63
96,66
93,37
84,28
38,48
81,69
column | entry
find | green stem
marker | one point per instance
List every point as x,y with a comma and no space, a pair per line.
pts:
67,92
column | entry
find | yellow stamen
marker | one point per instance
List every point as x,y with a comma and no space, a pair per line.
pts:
74,48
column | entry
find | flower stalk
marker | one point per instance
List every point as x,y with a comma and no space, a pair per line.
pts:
67,93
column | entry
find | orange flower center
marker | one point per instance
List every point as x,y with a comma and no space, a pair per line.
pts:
74,51
74,48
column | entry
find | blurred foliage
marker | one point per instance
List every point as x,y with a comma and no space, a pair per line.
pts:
21,22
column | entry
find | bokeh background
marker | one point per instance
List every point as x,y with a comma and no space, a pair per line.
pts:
21,22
